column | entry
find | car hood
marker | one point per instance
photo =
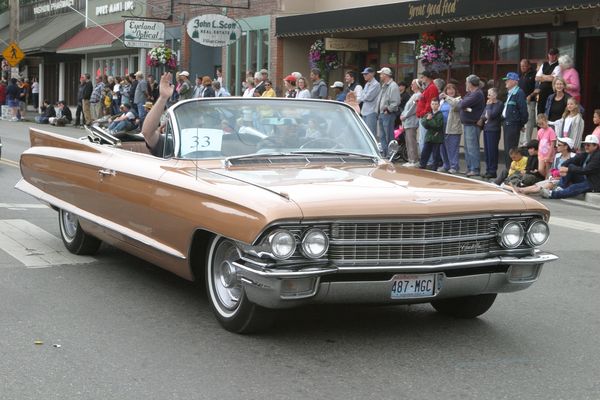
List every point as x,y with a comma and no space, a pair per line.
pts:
383,190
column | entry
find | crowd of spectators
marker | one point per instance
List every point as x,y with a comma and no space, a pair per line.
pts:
533,112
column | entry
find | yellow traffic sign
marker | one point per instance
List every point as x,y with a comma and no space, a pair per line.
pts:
13,54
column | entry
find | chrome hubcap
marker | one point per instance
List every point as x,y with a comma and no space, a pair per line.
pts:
69,224
225,278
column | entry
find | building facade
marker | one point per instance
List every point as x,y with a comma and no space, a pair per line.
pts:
490,37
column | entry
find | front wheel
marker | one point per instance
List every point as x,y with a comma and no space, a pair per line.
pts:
465,307
75,239
226,294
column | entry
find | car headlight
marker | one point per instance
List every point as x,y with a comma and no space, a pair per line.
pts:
283,244
315,243
537,233
512,235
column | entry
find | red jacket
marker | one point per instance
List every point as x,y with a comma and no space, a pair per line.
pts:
424,103
2,94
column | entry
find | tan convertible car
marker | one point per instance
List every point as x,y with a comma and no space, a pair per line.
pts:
277,203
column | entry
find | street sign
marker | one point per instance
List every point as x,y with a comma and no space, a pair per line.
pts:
13,54
143,34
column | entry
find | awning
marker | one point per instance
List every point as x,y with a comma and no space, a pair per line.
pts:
44,36
94,38
416,13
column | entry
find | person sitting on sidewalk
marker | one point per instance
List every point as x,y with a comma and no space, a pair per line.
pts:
580,174
517,167
434,137
532,174
63,115
564,146
48,112
125,121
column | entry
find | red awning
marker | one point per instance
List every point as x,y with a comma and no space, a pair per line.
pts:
93,38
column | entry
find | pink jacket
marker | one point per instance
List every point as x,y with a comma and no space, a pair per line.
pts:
571,76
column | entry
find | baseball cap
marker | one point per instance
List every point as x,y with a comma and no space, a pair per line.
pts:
591,139
184,73
511,76
367,70
290,78
566,140
553,51
337,84
385,71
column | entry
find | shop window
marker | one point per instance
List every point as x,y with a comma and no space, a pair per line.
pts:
486,48
535,46
565,42
508,47
484,71
461,63
496,55
264,53
400,57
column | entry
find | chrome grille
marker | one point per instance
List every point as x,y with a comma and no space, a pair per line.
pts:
411,242
420,230
408,253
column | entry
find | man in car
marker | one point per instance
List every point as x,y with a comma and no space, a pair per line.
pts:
151,129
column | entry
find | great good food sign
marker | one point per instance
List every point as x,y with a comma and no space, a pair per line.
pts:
214,30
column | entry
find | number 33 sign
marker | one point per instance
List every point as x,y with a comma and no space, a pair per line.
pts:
197,139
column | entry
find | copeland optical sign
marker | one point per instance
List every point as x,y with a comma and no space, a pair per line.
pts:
143,34
214,30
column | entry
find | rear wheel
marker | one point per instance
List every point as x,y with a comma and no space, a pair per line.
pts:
465,307
74,238
226,293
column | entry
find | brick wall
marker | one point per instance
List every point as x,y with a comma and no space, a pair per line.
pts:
183,13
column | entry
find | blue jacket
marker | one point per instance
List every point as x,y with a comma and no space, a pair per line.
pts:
492,116
471,107
516,109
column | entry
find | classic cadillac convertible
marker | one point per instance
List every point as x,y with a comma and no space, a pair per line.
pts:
277,203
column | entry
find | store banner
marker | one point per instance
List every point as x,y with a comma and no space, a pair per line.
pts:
143,34
416,13
214,30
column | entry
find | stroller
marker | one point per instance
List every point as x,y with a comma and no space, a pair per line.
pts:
401,154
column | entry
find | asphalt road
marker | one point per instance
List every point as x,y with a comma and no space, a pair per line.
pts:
116,327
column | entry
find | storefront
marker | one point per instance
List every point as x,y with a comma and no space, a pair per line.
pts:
101,46
490,37
43,27
250,53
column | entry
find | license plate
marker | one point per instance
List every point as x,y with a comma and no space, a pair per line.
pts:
410,286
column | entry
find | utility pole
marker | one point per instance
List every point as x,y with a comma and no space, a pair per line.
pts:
13,6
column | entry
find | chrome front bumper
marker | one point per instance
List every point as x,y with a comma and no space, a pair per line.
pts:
277,288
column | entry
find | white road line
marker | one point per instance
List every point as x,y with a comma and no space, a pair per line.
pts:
22,206
34,247
572,224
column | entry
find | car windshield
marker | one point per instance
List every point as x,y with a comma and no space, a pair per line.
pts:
231,127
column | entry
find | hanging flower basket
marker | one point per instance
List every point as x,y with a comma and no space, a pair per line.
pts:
162,56
435,50
324,60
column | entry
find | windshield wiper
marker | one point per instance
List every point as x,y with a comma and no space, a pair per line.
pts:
335,153
228,160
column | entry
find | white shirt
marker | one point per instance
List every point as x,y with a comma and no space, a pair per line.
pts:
555,71
249,92
567,125
303,94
